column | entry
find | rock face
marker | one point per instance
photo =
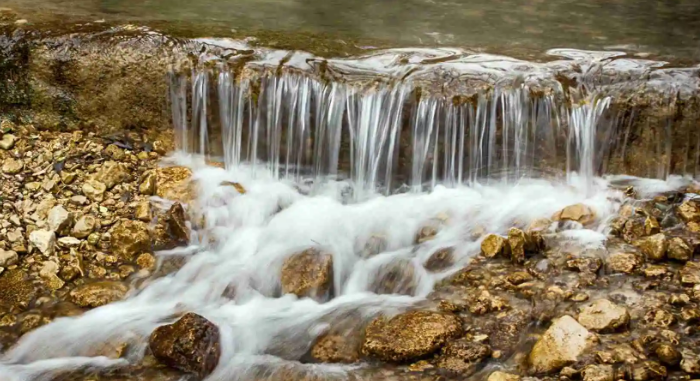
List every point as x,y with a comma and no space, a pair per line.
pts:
603,316
410,335
130,238
493,245
577,212
191,344
654,247
43,240
97,294
309,273
561,345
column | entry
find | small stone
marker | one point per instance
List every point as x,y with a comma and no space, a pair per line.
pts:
12,166
7,141
59,219
648,371
598,373
308,273
690,362
410,335
679,250
16,289
43,240
8,258
561,345
191,344
659,318
690,273
651,226
462,356
114,152
668,354
98,294
654,270
336,349
177,226
130,238
426,233
143,211
502,376
493,245
519,277
625,263
78,200
94,238
689,211
578,212
111,174
84,226
603,316
32,186
679,299
146,261
148,184
94,190
516,241
68,242
67,177
654,247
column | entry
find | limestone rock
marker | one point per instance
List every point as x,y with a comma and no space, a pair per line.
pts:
395,277
174,183
59,219
7,141
598,373
493,245
191,344
603,316
679,250
534,234
94,190
690,362
148,184
690,273
114,152
16,290
12,166
84,226
309,273
651,226
98,294
623,263
177,226
335,348
668,354
143,211
462,356
578,212
43,240
112,173
503,376
654,247
68,242
410,335
8,258
130,238
516,241
648,371
561,345
689,211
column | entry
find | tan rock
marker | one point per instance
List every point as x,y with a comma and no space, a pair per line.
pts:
12,166
84,226
534,234
625,263
410,335
8,258
690,362
68,242
503,376
334,348
59,219
651,226
130,238
114,152
516,241
654,247
690,273
679,250
561,345
98,294
146,261
43,240
493,245
668,354
174,183
648,371
603,316
143,211
462,356
578,212
598,373
16,289
112,173
7,141
191,344
309,273
148,184
94,190
689,211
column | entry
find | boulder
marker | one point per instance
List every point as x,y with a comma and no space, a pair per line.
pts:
309,273
111,174
43,240
84,226
603,315
493,245
679,250
690,273
654,247
578,212
561,345
625,263
334,348
516,241
148,184
191,344
94,190
59,219
130,238
410,335
97,294
689,211
12,166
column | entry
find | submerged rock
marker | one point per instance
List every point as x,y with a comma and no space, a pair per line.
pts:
623,263
440,260
410,335
15,289
604,316
679,250
334,348
97,294
396,277
561,345
493,245
598,373
309,273
462,356
191,344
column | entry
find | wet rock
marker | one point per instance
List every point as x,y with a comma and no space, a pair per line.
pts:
7,141
146,261
534,234
493,245
561,345
584,264
98,293
410,335
396,277
176,223
174,183
143,211
43,240
519,277
625,263
651,226
130,238
8,258
690,273
441,260
604,316
577,212
516,241
690,362
647,371
654,247
49,273
84,226
462,356
308,273
335,348
503,376
94,190
659,318
12,166
15,289
668,355
679,250
59,219
598,373
426,233
689,211
506,330
148,184
112,173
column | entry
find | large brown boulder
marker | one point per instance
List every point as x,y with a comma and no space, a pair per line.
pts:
689,211
309,273
410,335
654,247
130,238
191,344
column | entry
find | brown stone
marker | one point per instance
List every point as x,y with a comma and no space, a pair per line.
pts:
112,173
462,356
654,247
97,294
502,376
648,371
130,238
410,335
191,344
395,277
309,273
516,241
577,212
603,316
334,348
534,234
493,245
690,273
177,226
148,184
84,226
440,260
16,290
561,345
598,373
689,211
668,355
651,226
174,183
623,263
679,250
